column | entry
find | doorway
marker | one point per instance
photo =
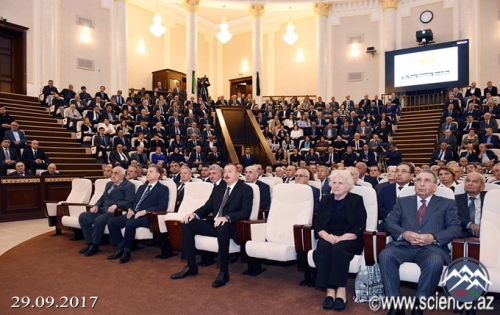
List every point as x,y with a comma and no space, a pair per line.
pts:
12,58
241,85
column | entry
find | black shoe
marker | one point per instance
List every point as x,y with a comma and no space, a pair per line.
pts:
93,249
221,280
186,271
116,255
125,258
396,312
339,304
328,303
84,250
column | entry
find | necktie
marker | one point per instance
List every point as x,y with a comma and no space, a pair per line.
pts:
181,187
111,188
103,140
124,156
223,203
441,155
488,122
447,127
472,209
144,195
401,187
22,174
248,156
198,157
468,125
7,154
421,212
34,154
177,131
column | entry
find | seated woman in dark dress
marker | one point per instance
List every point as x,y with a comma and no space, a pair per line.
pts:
177,156
340,224
312,157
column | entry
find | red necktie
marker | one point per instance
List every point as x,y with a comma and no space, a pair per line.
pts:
421,212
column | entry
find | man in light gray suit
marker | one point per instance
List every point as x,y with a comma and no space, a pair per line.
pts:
119,193
421,226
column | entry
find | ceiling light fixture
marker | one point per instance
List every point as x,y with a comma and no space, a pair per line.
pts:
157,29
290,37
224,36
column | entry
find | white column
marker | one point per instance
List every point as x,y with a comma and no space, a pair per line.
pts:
48,18
321,11
257,11
191,7
119,80
389,7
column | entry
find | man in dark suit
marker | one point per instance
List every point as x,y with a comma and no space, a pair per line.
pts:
247,159
251,176
229,202
421,227
103,143
119,193
140,157
367,156
484,155
348,103
214,157
391,179
174,172
470,204
176,129
17,137
323,172
20,171
388,195
468,124
34,157
104,96
152,196
8,157
118,157
490,89
185,176
196,157
120,139
489,139
393,156
443,154
94,115
362,169
488,122
349,158
51,170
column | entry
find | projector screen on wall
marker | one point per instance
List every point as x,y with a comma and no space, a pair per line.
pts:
428,67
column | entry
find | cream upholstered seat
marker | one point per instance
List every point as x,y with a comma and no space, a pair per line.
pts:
196,195
209,243
277,180
270,181
371,206
143,233
490,234
73,210
81,190
274,239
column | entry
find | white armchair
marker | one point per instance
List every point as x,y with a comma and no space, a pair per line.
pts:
195,195
209,244
274,239
71,210
81,190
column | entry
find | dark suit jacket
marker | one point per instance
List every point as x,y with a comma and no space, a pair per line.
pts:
394,157
10,134
115,157
372,180
493,91
387,199
440,219
28,157
265,195
355,215
104,96
125,142
47,173
14,156
98,141
247,161
26,173
316,198
156,200
462,202
471,157
90,115
238,206
135,156
494,140
448,156
492,156
211,158
122,196
192,157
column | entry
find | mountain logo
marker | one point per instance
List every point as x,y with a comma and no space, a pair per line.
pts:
465,279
